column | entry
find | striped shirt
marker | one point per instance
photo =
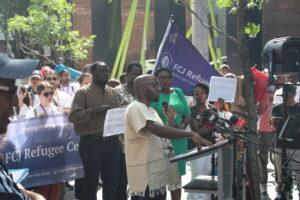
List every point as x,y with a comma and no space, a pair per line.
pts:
7,184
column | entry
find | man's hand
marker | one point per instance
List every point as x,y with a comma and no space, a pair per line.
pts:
101,110
200,141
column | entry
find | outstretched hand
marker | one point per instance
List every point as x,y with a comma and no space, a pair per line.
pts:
200,141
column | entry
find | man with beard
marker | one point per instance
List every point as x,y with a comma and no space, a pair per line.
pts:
126,93
98,153
66,86
11,69
147,150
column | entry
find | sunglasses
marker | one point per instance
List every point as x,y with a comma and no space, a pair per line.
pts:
53,78
46,94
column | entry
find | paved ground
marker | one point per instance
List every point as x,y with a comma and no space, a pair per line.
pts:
271,186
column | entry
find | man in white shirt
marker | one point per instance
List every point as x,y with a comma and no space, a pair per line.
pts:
147,152
66,86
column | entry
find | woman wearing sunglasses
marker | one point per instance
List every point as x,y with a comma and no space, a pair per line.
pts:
174,111
43,109
46,107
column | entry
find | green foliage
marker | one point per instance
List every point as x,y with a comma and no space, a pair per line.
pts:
49,24
254,4
225,3
252,29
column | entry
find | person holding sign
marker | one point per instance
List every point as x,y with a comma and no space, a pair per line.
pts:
46,107
98,153
126,93
11,69
147,150
175,112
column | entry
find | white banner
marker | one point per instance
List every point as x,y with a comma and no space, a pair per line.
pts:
114,122
224,88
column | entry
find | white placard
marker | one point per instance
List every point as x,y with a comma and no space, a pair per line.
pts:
220,87
114,122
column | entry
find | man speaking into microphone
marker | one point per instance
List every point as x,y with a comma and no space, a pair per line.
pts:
146,149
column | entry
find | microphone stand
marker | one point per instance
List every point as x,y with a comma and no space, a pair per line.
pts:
233,138
233,141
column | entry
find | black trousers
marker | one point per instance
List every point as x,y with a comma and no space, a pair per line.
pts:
147,196
100,155
79,188
122,188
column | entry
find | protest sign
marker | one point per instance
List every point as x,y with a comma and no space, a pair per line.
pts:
187,65
47,146
222,88
114,122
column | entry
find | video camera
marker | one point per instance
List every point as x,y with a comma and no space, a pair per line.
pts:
281,56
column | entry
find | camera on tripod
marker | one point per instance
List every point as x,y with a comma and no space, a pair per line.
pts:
281,57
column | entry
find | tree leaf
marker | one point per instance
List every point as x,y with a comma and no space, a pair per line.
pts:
225,3
49,23
252,29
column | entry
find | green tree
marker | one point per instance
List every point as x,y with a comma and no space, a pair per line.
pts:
49,25
245,31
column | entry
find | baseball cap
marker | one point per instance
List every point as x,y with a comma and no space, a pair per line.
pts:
16,68
36,74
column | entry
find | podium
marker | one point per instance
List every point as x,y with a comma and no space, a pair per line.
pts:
221,184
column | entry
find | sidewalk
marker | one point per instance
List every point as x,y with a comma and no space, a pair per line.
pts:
69,195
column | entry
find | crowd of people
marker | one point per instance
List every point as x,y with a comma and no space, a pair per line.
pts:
160,123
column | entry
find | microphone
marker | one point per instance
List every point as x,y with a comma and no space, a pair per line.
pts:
165,105
171,119
238,122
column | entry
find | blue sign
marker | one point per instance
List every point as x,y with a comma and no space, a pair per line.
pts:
47,146
187,65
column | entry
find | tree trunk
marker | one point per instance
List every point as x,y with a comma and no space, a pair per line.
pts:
200,32
8,46
252,157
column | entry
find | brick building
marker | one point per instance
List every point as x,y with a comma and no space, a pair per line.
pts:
279,18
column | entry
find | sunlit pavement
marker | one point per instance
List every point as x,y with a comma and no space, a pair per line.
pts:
69,195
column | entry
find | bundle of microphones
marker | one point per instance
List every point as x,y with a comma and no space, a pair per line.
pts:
212,118
227,127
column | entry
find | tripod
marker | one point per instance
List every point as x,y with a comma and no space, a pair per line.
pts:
234,136
283,138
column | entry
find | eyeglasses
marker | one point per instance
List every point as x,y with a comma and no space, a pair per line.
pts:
155,85
53,78
164,78
46,94
10,90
